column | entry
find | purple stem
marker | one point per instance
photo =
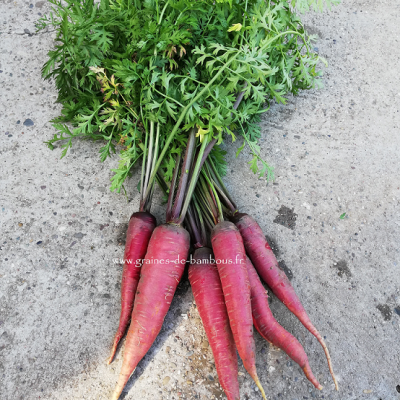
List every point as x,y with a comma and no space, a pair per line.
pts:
172,188
187,163
198,241
239,98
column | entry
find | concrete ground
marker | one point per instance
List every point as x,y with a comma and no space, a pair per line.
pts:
334,150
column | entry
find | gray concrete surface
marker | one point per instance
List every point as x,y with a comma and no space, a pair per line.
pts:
334,150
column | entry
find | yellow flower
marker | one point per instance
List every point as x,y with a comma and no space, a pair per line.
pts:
235,28
201,132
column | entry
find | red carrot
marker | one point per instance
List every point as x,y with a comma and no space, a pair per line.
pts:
140,228
269,328
230,257
209,298
161,272
267,266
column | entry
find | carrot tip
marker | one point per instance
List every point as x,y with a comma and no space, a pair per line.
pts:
258,383
111,358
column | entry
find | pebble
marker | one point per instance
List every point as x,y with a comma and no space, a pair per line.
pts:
166,380
167,349
20,224
28,122
204,344
367,391
189,353
43,187
210,378
27,31
79,235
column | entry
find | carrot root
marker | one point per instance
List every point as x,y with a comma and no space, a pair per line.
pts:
267,266
161,272
328,357
140,228
271,330
230,256
209,298
310,376
117,339
258,383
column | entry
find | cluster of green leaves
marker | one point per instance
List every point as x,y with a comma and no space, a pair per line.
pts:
120,64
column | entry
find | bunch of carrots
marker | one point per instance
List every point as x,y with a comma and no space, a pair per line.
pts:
166,82
224,272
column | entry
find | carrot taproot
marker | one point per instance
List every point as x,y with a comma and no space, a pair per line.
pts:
265,262
209,298
269,328
162,270
230,258
140,228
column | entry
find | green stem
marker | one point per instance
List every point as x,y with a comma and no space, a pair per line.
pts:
162,12
147,186
147,201
167,97
193,181
205,211
172,188
156,148
161,182
229,206
220,181
208,199
201,221
220,213
266,44
143,169
244,24
184,111
204,203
